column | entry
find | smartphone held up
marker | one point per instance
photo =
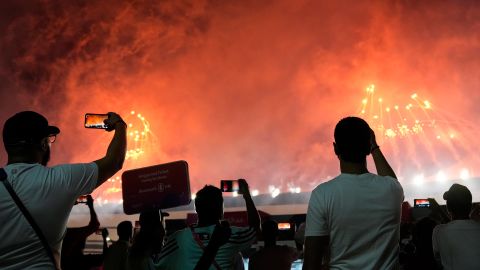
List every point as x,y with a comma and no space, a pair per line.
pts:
82,199
229,185
95,120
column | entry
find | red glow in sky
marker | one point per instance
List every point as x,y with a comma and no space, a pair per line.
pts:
242,89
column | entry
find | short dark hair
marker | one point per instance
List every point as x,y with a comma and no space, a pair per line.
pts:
124,229
209,202
352,139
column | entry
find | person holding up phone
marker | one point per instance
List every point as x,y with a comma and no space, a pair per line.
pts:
47,193
184,248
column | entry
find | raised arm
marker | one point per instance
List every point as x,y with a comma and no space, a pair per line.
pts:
253,216
94,224
220,236
381,163
113,160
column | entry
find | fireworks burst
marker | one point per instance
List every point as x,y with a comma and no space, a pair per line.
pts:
435,142
139,135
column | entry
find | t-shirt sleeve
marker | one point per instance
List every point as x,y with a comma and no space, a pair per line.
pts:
396,187
317,219
79,179
242,237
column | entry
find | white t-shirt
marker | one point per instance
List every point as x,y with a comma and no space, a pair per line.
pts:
456,245
182,251
361,214
49,194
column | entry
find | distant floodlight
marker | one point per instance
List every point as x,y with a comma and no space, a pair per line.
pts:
418,180
464,174
441,177
235,193
298,190
194,196
275,192
255,192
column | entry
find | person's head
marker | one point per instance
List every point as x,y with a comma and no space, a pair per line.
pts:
269,231
152,233
352,140
124,230
209,204
27,137
459,201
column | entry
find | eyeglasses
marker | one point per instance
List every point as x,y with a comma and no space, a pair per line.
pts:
52,138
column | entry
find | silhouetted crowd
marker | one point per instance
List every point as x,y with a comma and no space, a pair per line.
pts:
353,221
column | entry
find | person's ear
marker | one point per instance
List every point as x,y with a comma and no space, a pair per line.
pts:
335,148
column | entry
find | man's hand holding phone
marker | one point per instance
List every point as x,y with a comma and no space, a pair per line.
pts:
113,121
89,201
243,187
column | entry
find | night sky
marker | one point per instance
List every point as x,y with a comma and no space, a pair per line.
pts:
247,89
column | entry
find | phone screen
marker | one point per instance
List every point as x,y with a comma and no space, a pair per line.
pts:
93,120
229,185
283,226
421,203
82,199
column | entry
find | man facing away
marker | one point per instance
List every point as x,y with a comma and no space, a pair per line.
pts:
48,193
116,255
184,248
272,256
353,220
456,245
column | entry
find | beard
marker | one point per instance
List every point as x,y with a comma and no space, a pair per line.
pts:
46,157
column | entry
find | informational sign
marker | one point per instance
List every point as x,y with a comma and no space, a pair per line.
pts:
238,218
156,187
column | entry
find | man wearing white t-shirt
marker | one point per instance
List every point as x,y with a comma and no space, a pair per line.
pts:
353,220
48,193
456,245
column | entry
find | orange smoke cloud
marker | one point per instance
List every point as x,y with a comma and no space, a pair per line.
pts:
238,89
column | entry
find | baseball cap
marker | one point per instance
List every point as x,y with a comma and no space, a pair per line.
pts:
27,127
458,194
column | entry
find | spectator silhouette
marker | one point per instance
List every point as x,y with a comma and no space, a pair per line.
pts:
74,243
48,193
116,254
422,239
147,242
456,245
272,256
185,247
353,220
300,239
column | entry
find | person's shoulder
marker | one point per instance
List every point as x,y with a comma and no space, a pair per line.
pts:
387,180
242,231
71,166
180,233
327,186
440,228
